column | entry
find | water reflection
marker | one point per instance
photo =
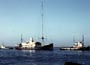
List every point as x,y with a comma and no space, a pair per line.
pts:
28,53
31,51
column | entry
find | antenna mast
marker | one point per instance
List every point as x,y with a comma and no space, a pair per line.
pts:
74,39
21,38
83,39
42,15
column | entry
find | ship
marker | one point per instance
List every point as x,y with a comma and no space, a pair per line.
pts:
35,45
79,45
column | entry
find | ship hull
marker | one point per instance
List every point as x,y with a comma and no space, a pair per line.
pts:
45,47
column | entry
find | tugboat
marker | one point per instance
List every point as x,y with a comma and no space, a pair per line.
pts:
77,45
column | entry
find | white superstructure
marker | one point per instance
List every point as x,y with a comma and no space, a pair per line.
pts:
78,44
29,44
2,47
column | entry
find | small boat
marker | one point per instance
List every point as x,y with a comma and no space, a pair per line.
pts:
2,47
71,63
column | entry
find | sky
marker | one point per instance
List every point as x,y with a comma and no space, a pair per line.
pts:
63,20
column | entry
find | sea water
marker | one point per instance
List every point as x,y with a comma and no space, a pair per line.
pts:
32,57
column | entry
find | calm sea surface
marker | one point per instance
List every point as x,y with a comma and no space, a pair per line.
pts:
31,57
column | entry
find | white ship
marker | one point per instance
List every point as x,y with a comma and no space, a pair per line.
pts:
77,45
33,44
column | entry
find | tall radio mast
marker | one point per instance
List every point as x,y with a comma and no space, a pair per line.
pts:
42,15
